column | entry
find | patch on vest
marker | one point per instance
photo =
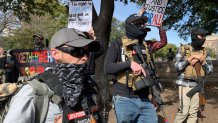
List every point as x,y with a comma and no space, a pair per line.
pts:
81,117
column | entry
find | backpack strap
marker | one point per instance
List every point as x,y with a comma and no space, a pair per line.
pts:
46,88
52,81
42,96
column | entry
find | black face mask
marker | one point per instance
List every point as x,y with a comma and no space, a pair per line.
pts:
134,26
135,32
197,43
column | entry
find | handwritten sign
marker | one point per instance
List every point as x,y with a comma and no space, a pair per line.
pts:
154,10
80,15
31,61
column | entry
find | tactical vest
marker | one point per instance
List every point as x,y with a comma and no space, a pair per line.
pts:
187,51
86,109
127,53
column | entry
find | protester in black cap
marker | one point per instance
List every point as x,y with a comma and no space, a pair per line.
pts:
132,105
38,42
67,81
187,59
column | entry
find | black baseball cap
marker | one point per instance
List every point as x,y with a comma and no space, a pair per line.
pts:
200,31
39,36
134,17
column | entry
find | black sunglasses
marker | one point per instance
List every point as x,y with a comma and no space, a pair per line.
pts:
74,51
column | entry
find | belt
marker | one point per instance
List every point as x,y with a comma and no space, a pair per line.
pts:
188,83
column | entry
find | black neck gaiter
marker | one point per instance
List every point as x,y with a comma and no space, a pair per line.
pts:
197,45
73,77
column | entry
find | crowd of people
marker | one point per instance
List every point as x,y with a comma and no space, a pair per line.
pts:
68,90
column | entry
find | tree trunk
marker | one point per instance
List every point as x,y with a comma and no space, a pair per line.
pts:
102,27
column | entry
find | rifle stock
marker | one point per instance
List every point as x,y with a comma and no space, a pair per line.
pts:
194,90
200,81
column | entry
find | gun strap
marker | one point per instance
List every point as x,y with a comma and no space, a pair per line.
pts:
197,67
127,78
147,52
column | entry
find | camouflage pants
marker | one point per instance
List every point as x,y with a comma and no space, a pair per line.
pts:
2,76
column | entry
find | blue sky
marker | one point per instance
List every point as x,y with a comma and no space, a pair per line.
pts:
122,11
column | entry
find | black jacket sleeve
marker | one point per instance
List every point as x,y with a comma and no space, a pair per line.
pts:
100,51
111,64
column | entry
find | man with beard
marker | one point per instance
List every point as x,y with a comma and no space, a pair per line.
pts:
67,80
187,58
123,61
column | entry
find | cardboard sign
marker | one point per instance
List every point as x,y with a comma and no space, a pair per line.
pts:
29,61
154,10
80,15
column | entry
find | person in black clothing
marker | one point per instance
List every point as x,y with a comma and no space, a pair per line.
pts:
132,105
170,55
12,73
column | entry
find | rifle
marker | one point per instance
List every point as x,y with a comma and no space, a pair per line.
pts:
199,88
156,86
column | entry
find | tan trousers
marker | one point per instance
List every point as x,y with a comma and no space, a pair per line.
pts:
187,112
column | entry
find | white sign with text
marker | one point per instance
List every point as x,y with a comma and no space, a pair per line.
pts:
80,15
154,10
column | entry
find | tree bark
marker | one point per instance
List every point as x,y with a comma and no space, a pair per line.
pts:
102,27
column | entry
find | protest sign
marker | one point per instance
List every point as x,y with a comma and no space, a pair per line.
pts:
29,61
154,10
80,15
